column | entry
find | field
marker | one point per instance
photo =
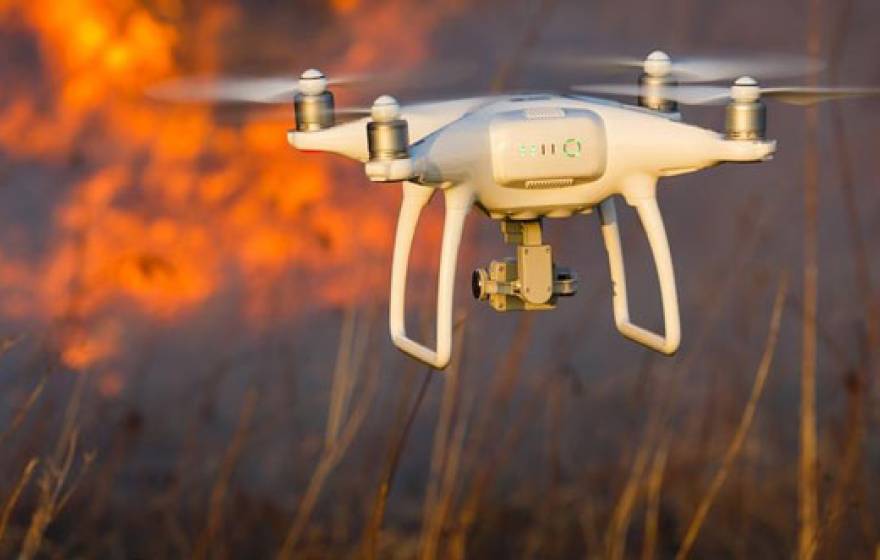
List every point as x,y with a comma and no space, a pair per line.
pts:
194,354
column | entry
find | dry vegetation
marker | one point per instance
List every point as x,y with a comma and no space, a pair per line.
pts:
501,481
542,440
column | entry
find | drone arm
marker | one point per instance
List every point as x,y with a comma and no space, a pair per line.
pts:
652,222
458,203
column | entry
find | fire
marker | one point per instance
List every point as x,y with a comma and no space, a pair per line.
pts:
164,204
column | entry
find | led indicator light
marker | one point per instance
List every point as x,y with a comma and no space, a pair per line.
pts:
572,148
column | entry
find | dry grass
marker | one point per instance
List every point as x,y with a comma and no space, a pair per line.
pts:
23,410
446,455
55,485
808,508
335,447
374,526
15,495
652,510
217,502
742,429
524,424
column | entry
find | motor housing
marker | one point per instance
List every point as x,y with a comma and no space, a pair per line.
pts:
314,112
388,143
652,88
746,120
387,140
746,114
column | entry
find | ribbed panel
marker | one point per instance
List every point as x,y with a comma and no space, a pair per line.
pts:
549,183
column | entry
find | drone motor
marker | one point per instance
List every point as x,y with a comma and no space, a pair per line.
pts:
746,114
313,104
655,78
388,143
387,133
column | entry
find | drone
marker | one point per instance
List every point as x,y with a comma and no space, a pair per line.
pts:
521,158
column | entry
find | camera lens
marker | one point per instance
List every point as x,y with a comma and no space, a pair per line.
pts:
477,283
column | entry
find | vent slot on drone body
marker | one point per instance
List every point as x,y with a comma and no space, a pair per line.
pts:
549,183
544,113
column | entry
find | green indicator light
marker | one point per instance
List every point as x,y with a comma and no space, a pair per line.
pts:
522,150
572,148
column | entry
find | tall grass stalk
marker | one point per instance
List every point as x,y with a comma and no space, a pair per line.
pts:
487,471
661,414
16,493
217,501
615,538
55,485
24,409
808,492
652,509
742,430
374,526
334,449
445,456
858,382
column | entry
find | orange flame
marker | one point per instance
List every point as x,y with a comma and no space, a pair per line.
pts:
166,201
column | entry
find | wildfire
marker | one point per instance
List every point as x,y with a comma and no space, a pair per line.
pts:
163,207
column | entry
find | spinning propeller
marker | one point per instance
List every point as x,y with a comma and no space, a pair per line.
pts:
658,87
282,89
249,89
744,89
689,68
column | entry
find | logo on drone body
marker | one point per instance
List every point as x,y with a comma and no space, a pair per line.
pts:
571,147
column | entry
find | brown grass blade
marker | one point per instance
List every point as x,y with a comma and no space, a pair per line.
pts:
16,493
217,500
371,535
23,410
8,342
652,510
742,429
808,493
329,459
445,455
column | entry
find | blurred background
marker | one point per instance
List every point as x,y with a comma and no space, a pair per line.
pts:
194,359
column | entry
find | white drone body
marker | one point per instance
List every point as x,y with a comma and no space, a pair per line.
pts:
526,157
523,158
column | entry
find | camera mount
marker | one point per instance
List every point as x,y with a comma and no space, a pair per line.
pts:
530,281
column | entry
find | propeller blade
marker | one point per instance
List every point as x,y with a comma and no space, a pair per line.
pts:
225,90
805,96
693,68
711,69
239,89
714,95
686,95
281,89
